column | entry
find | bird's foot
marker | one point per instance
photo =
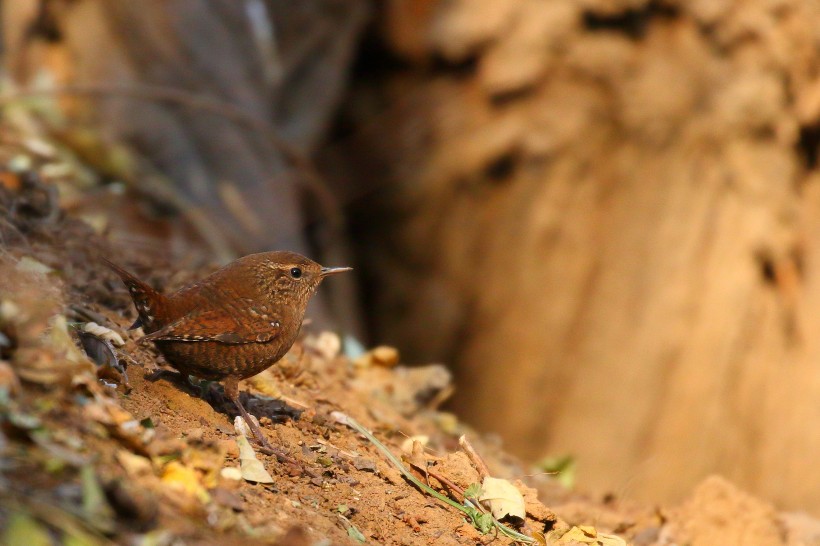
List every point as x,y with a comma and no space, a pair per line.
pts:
257,432
232,391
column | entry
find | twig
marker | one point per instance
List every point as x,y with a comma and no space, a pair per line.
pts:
475,458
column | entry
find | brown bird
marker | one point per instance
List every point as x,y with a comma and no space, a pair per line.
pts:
234,323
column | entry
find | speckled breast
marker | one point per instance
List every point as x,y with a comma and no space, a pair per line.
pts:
215,360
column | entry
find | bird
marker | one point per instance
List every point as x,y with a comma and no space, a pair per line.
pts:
232,324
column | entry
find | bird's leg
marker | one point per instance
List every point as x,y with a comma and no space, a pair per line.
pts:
232,392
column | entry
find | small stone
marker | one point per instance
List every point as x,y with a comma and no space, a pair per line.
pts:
231,473
328,344
386,356
383,355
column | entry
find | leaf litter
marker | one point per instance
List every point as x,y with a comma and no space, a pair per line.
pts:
86,459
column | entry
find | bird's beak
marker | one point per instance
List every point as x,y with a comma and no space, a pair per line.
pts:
334,270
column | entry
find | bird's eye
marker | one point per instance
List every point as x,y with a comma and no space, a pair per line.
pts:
295,272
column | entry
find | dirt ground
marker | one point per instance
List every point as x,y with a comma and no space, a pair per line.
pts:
90,455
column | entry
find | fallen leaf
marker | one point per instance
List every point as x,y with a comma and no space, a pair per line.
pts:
207,461
102,332
134,465
51,357
108,412
502,498
586,534
180,477
252,469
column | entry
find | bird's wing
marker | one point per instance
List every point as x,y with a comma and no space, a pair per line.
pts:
216,325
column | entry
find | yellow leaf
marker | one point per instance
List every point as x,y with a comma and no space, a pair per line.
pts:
586,534
185,479
135,466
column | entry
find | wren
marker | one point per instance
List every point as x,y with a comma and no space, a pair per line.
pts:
233,324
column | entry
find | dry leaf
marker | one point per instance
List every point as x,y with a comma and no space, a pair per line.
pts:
207,462
50,358
586,534
108,412
502,498
61,341
103,333
135,466
252,469
181,478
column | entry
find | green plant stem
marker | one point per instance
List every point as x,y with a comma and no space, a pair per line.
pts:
470,511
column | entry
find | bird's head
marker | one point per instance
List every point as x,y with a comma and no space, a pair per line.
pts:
291,274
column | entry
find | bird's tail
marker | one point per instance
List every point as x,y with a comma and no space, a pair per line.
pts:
147,301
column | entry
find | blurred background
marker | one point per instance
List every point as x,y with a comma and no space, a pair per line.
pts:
603,215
